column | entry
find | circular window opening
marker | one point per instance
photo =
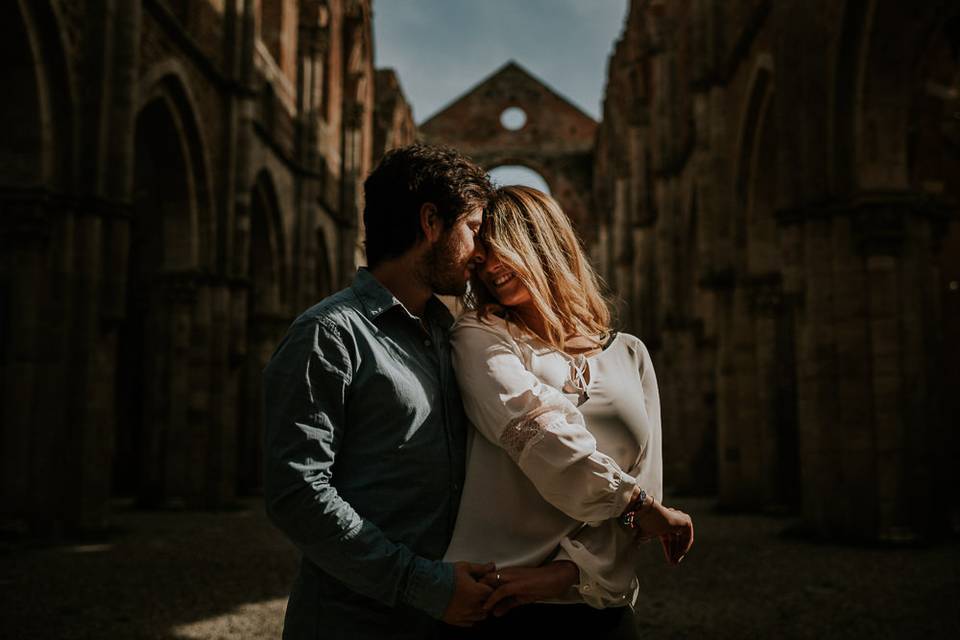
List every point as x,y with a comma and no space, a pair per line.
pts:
513,118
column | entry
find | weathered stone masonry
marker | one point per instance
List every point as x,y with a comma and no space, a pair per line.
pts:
769,196
178,180
775,186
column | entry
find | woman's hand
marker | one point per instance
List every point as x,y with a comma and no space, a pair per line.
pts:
672,526
514,586
469,595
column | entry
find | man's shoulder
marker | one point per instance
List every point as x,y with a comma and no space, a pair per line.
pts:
325,328
337,311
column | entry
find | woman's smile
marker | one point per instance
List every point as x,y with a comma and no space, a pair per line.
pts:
503,282
504,278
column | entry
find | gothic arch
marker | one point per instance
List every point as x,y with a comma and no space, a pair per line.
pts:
495,161
36,160
35,62
268,250
556,140
846,95
895,38
166,83
756,399
267,319
753,232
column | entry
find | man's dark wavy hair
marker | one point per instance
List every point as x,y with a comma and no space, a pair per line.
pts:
405,179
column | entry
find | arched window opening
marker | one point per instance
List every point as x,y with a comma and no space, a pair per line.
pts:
518,174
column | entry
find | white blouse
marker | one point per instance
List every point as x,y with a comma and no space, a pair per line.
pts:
559,441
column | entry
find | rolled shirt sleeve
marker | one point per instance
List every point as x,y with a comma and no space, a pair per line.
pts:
306,386
541,430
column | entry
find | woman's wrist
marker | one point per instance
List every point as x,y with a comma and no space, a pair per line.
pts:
639,504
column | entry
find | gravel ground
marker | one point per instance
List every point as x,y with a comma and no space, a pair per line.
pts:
226,575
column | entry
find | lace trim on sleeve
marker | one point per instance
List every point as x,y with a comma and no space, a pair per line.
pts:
522,432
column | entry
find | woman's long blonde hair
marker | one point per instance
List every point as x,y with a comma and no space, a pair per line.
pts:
533,237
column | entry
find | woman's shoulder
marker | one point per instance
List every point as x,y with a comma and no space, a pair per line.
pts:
634,346
470,322
471,331
470,325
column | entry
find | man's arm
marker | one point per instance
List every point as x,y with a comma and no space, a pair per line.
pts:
305,389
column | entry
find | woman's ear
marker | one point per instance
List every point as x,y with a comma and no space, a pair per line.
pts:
430,222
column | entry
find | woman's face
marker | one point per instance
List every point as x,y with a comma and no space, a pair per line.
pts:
503,282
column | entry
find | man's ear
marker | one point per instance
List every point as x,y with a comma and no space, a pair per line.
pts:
430,222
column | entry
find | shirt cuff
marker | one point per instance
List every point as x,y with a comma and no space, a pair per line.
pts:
595,589
621,491
624,493
429,586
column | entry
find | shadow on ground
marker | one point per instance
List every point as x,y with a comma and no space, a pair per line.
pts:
226,575
169,574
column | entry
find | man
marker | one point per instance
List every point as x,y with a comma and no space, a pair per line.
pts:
365,432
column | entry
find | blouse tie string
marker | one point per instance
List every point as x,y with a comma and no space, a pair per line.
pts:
577,382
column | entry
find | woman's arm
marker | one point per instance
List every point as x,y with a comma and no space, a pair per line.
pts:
536,426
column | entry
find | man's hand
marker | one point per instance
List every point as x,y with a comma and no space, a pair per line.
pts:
672,526
469,594
522,585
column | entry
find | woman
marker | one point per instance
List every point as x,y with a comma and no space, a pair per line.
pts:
564,470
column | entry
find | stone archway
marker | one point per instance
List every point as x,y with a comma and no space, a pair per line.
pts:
553,137
757,430
267,320
37,126
933,169
22,158
508,174
162,439
873,429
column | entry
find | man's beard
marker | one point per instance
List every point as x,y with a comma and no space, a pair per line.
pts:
443,270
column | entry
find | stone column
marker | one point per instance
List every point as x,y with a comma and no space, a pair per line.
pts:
32,357
350,215
868,345
219,396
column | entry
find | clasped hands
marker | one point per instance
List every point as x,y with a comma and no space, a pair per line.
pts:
482,589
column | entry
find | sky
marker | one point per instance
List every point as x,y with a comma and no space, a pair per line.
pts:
442,48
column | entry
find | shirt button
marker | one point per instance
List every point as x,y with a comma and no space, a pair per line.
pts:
427,343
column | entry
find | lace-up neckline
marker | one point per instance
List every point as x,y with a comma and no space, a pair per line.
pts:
579,378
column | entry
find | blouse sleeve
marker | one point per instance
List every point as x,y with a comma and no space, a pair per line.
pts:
606,559
536,425
606,556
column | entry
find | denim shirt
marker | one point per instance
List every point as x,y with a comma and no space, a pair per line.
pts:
365,446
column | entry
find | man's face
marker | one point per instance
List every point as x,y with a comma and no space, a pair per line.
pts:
453,257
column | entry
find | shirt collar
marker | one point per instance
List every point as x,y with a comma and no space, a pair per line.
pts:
377,299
